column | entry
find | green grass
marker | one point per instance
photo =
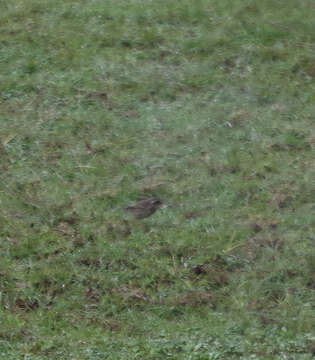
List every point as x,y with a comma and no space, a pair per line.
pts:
207,105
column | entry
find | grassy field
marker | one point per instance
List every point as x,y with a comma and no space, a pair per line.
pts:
208,105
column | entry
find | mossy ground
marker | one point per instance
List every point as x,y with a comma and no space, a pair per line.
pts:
207,105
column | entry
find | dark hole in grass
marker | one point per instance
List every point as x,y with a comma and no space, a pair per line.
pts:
27,304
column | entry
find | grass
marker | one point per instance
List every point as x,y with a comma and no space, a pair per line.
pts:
207,105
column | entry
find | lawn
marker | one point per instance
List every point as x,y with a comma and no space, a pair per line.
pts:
206,105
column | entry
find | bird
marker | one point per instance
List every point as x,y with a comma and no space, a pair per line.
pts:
144,208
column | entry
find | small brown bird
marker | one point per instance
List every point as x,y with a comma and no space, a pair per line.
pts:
144,208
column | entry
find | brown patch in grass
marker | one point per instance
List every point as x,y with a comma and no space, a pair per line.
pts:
26,304
132,293
45,284
58,251
78,242
97,149
262,306
281,200
106,324
215,271
49,287
195,298
216,168
66,229
276,295
72,219
257,225
256,228
4,164
121,229
311,348
239,117
266,320
278,147
194,214
4,276
151,186
90,262
131,114
252,251
19,335
54,150
93,295
101,96
305,66
97,95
